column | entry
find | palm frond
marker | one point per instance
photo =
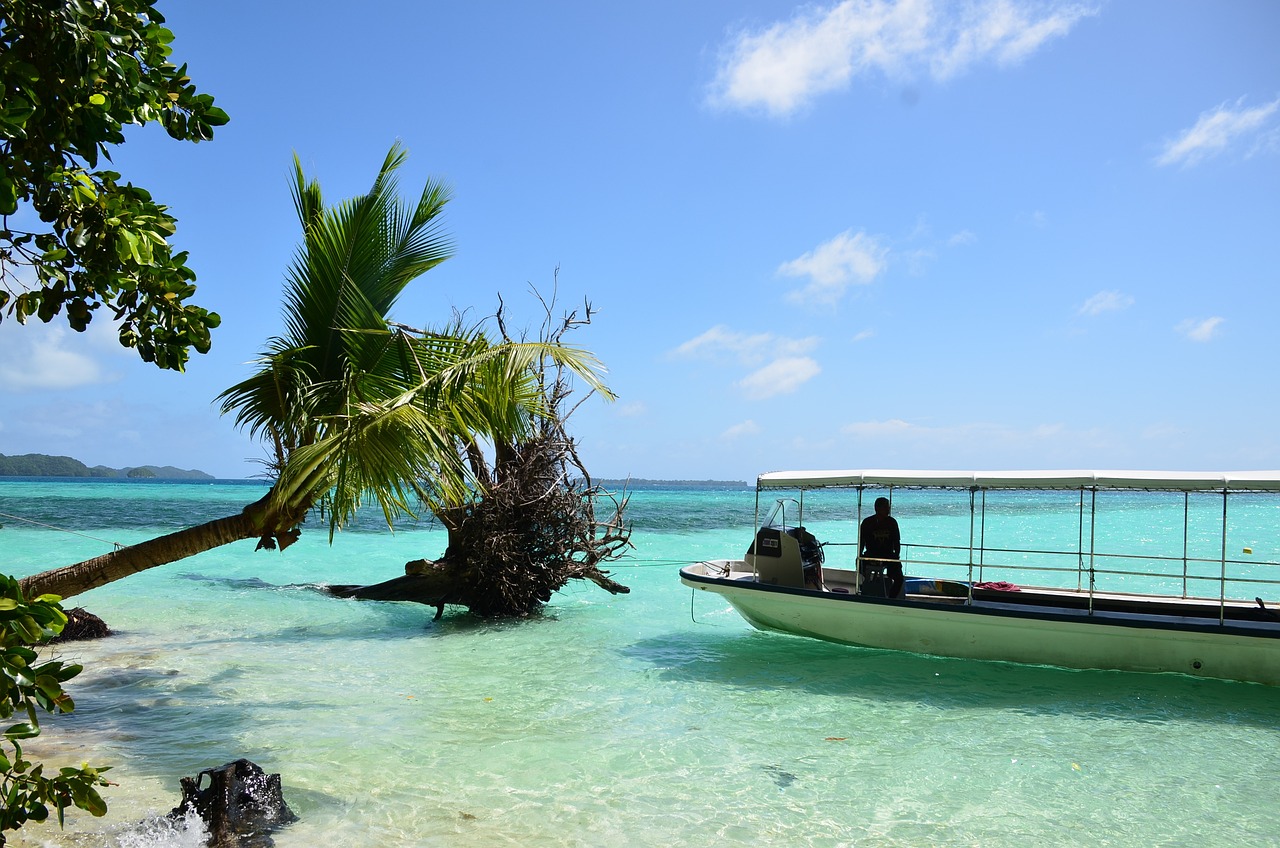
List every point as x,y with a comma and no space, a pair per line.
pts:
357,410
355,259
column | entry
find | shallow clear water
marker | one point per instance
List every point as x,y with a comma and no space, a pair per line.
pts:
641,719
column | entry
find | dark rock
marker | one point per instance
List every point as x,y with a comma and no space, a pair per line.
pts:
241,805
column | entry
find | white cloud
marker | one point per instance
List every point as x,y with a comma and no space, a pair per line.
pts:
972,444
918,260
835,265
780,377
1106,301
864,335
781,68
1200,330
744,428
1217,130
961,238
635,409
69,422
745,348
786,366
872,429
1001,30
41,356
1164,431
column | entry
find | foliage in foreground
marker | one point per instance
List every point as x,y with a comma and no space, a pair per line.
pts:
73,74
26,792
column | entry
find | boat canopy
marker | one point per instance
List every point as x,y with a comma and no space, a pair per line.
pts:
1171,481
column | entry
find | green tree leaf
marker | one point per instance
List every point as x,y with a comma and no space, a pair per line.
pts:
72,74
25,791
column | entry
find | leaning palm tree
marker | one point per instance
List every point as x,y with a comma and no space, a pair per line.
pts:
353,407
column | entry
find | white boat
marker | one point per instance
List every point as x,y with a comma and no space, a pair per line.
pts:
1107,602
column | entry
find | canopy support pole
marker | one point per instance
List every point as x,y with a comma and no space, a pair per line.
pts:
1222,581
972,489
1186,531
1080,546
1093,531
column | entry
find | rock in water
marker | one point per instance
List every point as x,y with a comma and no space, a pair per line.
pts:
241,805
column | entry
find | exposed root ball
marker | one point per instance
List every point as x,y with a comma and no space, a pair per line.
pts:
82,624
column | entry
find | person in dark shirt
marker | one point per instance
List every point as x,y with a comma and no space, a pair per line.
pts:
879,543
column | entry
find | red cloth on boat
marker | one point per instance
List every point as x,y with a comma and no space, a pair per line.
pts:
997,585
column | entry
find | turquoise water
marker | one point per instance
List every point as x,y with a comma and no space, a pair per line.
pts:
643,719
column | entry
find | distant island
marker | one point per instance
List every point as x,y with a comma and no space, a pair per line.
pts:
43,465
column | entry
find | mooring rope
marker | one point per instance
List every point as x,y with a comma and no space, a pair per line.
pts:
648,563
117,545
635,563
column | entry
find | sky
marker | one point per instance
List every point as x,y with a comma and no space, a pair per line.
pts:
863,234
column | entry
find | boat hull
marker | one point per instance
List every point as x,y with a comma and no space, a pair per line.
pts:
1007,631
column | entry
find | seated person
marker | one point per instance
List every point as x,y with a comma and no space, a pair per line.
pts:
878,544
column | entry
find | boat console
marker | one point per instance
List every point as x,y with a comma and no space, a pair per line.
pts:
789,557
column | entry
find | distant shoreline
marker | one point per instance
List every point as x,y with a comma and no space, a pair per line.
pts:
611,484
195,481
44,465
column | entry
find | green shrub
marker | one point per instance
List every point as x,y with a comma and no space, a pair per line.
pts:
26,792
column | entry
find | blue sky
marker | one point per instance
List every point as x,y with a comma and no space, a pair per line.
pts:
862,234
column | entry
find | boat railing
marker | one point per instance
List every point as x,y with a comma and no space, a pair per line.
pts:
1099,571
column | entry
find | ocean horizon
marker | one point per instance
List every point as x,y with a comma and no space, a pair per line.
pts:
649,718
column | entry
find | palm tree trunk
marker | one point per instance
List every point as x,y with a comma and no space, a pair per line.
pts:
101,570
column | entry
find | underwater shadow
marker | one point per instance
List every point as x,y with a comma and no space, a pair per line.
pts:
751,660
171,727
456,622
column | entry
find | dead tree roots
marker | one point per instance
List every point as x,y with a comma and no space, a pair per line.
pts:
526,537
530,526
